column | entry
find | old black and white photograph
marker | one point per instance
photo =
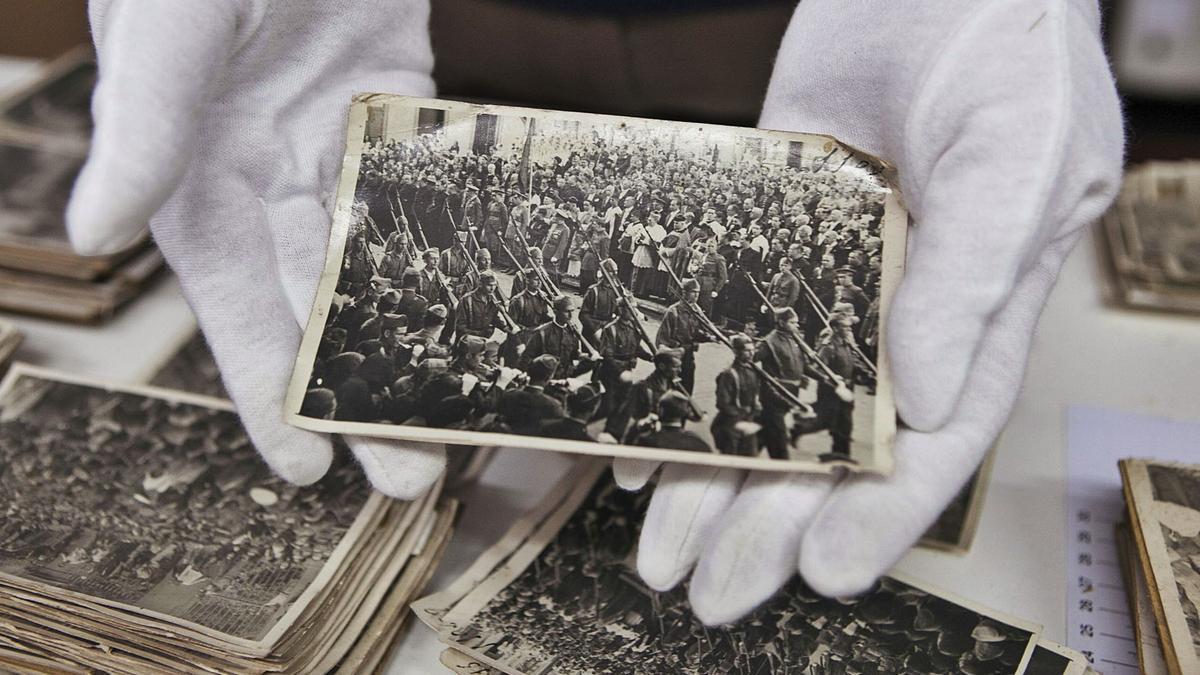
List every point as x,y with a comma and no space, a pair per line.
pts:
157,503
1166,503
570,600
620,286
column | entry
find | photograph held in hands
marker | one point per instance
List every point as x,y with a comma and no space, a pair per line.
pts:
605,285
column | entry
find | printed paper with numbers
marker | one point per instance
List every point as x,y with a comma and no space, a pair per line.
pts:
1098,621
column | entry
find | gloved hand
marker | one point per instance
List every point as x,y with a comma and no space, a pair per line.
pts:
223,123
1003,122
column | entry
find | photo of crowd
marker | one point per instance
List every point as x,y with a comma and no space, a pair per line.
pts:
161,505
580,607
670,286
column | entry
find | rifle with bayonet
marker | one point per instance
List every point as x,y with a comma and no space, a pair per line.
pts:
823,313
496,294
839,384
716,332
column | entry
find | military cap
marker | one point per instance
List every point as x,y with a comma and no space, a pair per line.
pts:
439,310
665,353
673,406
391,296
562,304
741,340
543,367
394,321
785,314
582,399
845,269
381,281
411,278
472,344
485,277
691,285
483,253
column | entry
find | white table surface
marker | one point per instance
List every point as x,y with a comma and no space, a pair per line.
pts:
1084,352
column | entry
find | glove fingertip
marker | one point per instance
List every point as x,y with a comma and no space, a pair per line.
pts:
662,573
303,460
633,474
835,579
401,472
100,223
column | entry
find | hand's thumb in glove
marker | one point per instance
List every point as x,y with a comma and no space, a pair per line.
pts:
158,61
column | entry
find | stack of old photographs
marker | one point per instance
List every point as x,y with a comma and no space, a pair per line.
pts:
1152,234
142,534
559,594
44,132
1161,562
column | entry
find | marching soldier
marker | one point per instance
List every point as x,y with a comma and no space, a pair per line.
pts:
470,280
478,313
783,291
430,286
620,347
599,302
357,266
530,310
495,220
782,357
454,265
411,303
557,338
680,330
711,271
644,396
554,250
835,349
738,404
396,254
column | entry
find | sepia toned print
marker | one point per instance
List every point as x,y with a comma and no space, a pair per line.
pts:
171,512
618,286
569,600
1164,507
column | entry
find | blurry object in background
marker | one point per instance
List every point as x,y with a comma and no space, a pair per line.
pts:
143,520
56,297
1152,234
35,183
58,103
699,61
44,132
10,339
1156,47
1163,501
40,29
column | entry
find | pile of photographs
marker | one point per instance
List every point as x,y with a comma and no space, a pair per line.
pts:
1152,234
143,534
44,132
559,593
1160,549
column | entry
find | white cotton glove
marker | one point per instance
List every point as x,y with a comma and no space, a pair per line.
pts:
1002,119
223,123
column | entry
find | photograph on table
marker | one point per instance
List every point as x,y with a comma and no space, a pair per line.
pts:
567,598
151,502
1164,512
504,276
